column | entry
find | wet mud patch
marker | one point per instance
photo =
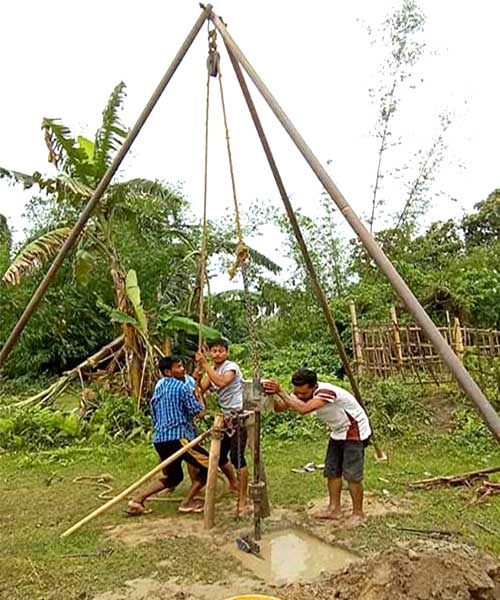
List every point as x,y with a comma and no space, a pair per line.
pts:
293,555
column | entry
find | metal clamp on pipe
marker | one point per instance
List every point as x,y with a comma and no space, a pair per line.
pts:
256,491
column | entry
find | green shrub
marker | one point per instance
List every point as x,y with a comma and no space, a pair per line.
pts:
471,432
292,426
320,356
39,428
118,418
395,408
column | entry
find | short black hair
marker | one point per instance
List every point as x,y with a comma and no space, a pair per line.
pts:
304,376
219,342
165,363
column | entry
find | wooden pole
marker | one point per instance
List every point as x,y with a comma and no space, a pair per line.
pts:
397,337
101,188
213,465
135,485
457,339
265,506
462,376
320,295
356,342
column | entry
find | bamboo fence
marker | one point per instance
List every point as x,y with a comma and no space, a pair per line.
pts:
391,348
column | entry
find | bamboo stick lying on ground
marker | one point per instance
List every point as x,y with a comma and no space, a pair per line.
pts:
136,484
461,479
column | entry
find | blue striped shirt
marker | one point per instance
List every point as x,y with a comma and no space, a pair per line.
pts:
173,407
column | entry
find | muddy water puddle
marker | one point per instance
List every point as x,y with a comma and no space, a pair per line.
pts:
292,555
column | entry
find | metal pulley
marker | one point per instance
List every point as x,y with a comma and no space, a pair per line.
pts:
213,59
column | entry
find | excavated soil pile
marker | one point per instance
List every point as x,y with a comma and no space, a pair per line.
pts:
419,572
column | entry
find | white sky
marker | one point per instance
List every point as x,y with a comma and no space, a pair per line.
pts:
62,59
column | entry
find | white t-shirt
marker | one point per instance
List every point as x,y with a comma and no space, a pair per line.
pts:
230,397
342,413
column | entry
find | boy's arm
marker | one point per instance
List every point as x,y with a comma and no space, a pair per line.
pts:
220,381
280,405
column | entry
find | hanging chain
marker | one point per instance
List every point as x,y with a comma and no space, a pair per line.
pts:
250,315
212,67
241,248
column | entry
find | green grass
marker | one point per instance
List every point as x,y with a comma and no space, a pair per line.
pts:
39,501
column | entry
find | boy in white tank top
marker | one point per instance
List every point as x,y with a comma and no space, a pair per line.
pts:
349,434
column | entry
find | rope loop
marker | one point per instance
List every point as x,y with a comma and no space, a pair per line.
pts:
213,59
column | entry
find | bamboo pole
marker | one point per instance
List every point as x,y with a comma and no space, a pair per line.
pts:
470,387
397,337
358,353
311,271
136,484
213,465
457,338
101,188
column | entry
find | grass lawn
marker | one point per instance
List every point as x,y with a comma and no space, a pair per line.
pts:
39,501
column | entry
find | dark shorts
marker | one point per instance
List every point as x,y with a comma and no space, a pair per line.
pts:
345,459
173,474
234,444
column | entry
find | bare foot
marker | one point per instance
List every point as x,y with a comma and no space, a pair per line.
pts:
328,513
135,509
243,509
356,519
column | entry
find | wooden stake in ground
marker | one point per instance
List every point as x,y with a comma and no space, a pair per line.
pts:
397,338
136,484
213,465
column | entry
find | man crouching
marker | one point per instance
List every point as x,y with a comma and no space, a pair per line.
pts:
349,434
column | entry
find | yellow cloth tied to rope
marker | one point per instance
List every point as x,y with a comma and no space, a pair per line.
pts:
241,256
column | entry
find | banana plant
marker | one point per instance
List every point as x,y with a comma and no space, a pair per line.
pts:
79,164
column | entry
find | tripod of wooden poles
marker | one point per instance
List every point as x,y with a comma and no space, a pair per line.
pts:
239,61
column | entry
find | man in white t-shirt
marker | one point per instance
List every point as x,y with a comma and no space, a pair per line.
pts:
349,434
225,378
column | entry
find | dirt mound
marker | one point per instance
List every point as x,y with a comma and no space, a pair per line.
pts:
420,572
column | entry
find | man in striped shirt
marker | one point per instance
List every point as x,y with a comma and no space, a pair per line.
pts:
349,434
173,409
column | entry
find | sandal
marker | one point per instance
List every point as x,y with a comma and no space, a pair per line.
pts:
308,468
135,509
189,509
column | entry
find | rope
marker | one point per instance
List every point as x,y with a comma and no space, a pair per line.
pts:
103,480
241,248
212,66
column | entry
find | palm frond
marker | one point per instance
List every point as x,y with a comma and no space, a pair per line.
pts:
111,134
134,191
65,183
88,146
5,243
35,254
116,315
24,179
170,322
64,151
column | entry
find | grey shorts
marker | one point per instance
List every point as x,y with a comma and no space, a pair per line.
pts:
345,459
